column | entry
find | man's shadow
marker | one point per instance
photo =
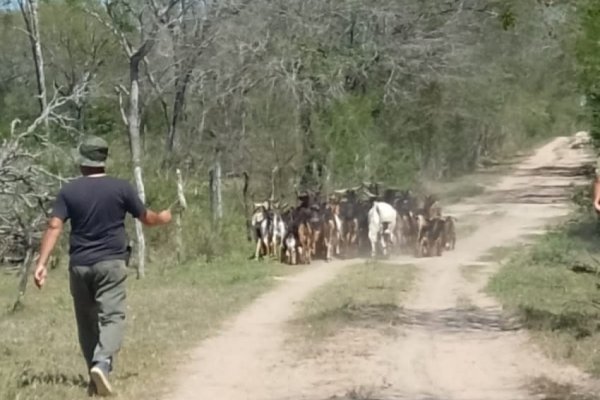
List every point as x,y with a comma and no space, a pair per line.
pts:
29,378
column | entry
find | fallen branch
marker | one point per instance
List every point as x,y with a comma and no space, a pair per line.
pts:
26,184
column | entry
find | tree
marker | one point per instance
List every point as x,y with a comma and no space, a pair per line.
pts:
25,183
588,56
29,11
120,14
331,91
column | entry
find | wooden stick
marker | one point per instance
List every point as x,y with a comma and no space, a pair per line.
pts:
179,229
24,278
180,193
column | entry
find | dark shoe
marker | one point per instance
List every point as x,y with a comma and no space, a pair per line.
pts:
99,374
91,388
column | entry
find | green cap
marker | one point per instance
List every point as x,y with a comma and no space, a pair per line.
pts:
91,152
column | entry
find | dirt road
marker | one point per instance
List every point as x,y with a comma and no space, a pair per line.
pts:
454,343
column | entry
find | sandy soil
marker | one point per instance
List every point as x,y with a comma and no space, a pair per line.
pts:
454,342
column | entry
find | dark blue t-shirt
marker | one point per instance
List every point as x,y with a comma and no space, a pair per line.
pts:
96,208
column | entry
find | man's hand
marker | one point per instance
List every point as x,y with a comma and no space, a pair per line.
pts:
165,216
597,195
39,275
151,218
49,240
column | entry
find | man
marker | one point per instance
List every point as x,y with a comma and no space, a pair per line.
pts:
96,206
597,188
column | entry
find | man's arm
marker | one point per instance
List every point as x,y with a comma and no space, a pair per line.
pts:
60,213
151,218
51,235
597,194
138,210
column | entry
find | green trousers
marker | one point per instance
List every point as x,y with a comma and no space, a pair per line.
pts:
99,297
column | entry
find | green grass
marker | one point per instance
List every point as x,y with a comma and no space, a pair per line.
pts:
558,305
365,295
169,312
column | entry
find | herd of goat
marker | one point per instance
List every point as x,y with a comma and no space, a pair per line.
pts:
346,225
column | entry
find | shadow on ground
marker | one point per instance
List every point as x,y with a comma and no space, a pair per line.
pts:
545,389
29,377
580,324
450,320
566,172
460,320
532,194
543,193
540,389
377,394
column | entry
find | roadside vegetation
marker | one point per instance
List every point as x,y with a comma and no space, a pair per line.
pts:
367,295
553,285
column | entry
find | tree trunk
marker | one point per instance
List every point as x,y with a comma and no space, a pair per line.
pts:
246,210
211,192
183,73
218,216
133,120
367,167
181,87
328,168
29,10
273,176
309,174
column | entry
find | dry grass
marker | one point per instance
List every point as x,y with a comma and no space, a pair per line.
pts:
366,295
169,311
